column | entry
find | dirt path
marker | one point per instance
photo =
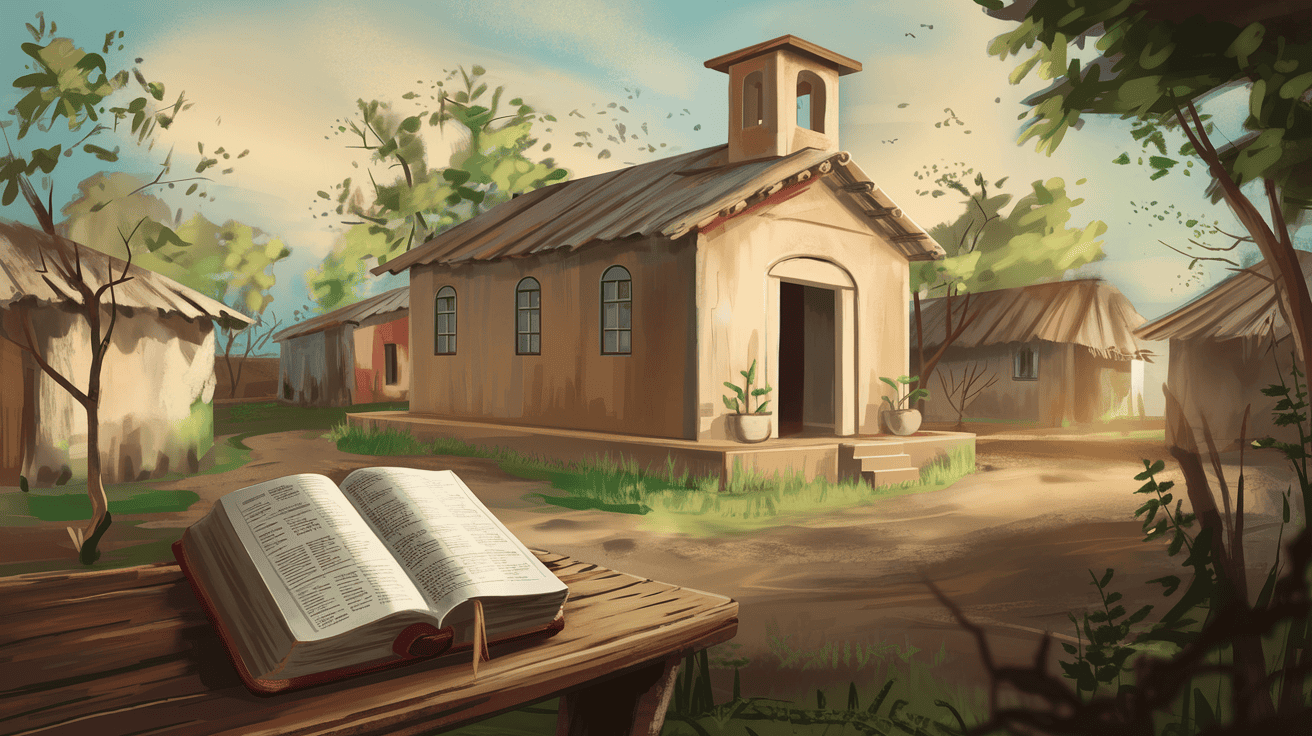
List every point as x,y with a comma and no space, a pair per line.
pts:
1012,545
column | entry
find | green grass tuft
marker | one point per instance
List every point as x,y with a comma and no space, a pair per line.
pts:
621,485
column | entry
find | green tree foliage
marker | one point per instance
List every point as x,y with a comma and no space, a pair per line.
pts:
1159,64
489,165
402,198
232,262
79,103
990,247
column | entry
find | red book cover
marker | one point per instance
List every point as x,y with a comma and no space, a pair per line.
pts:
416,643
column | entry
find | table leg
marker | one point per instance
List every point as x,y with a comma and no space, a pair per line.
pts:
632,704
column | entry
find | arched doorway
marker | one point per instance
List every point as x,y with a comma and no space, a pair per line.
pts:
815,304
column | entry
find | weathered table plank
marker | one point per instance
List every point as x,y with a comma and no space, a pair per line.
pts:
129,651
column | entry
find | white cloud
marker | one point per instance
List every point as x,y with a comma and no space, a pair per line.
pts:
276,84
610,35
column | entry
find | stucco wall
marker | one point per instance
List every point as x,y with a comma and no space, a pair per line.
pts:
1073,385
571,384
738,299
1215,380
371,363
1008,398
156,413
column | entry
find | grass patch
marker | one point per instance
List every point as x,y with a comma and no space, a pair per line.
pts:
50,504
748,500
853,688
265,417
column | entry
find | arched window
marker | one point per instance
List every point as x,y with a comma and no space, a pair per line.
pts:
616,312
810,101
444,322
528,317
754,99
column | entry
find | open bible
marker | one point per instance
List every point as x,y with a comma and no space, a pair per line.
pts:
307,582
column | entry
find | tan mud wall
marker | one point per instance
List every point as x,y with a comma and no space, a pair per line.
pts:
571,384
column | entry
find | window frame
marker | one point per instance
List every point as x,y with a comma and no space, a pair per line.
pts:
438,313
620,330
753,92
1033,374
391,368
530,287
816,92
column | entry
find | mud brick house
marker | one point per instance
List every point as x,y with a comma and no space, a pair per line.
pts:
622,302
358,354
1061,353
1226,346
156,411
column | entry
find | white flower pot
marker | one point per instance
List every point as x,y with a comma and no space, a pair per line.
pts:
750,427
902,422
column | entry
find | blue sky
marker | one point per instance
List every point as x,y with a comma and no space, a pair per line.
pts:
272,76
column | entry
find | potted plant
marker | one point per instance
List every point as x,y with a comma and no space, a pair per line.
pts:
900,418
749,425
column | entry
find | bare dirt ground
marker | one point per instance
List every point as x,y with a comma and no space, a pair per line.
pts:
1012,545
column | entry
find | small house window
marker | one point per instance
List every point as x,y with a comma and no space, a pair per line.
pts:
810,101
528,317
444,328
1027,363
616,312
754,99
389,363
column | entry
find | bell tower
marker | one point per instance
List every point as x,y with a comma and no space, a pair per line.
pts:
783,97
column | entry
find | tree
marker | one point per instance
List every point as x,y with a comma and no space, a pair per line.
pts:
989,250
487,167
65,81
493,159
960,392
232,262
1160,64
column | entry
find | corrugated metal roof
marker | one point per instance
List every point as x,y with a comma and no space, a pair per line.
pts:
22,279
388,304
1088,312
1243,305
669,197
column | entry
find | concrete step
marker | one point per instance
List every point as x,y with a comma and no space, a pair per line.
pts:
858,450
884,462
877,478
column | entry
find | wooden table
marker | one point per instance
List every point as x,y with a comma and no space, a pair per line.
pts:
130,652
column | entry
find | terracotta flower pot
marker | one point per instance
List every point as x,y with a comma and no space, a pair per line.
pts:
750,427
902,422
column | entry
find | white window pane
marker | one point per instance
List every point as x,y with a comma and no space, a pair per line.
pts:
451,344
609,342
625,289
441,344
608,291
523,344
612,316
624,342
534,344
533,321
521,325
535,299
626,316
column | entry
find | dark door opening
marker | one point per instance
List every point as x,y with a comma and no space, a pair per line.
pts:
806,359
792,358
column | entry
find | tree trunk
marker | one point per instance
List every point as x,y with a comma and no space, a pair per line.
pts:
100,519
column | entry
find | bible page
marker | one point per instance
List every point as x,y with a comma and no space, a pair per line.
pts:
451,545
327,570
